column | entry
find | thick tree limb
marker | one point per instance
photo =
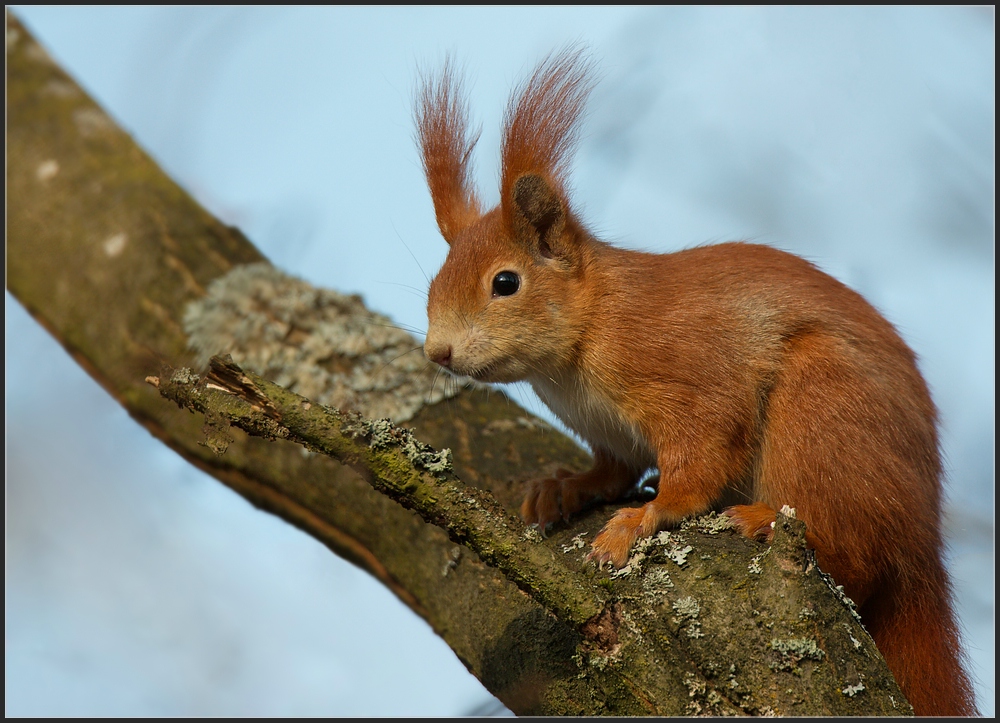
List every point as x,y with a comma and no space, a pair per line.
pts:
121,265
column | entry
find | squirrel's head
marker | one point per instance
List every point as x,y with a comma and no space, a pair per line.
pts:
505,304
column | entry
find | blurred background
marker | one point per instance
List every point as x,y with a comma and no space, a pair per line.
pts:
862,139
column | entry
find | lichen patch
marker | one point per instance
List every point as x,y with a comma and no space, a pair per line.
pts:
710,524
383,434
656,582
531,534
318,343
686,607
799,647
792,651
576,543
115,244
838,591
47,170
852,690
679,554
755,567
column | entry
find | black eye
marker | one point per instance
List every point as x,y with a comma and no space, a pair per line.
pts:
506,283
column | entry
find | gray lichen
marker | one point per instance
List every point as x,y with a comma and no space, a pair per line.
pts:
704,701
838,591
679,554
576,543
531,534
710,524
686,607
799,648
656,582
794,650
318,343
436,462
755,566
852,690
383,434
184,376
854,641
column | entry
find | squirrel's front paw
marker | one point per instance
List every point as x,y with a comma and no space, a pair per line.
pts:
552,498
629,524
615,541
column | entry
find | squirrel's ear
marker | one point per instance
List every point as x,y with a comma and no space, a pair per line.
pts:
446,145
540,214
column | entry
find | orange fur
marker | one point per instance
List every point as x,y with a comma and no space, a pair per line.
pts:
442,133
733,366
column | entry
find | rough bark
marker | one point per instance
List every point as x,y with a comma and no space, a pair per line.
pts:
118,263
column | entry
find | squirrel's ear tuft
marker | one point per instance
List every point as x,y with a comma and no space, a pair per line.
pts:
540,129
446,145
541,125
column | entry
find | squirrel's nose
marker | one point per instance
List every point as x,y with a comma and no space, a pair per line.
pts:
439,354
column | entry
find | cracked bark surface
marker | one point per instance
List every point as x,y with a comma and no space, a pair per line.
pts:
109,254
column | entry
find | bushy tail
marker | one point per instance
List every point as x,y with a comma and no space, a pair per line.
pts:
916,632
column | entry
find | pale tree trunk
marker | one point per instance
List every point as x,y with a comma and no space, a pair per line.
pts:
136,280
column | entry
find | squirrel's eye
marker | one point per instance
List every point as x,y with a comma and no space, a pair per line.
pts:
506,283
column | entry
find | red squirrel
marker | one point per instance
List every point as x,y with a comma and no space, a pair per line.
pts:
731,368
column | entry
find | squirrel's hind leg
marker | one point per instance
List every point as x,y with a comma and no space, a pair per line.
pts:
755,521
